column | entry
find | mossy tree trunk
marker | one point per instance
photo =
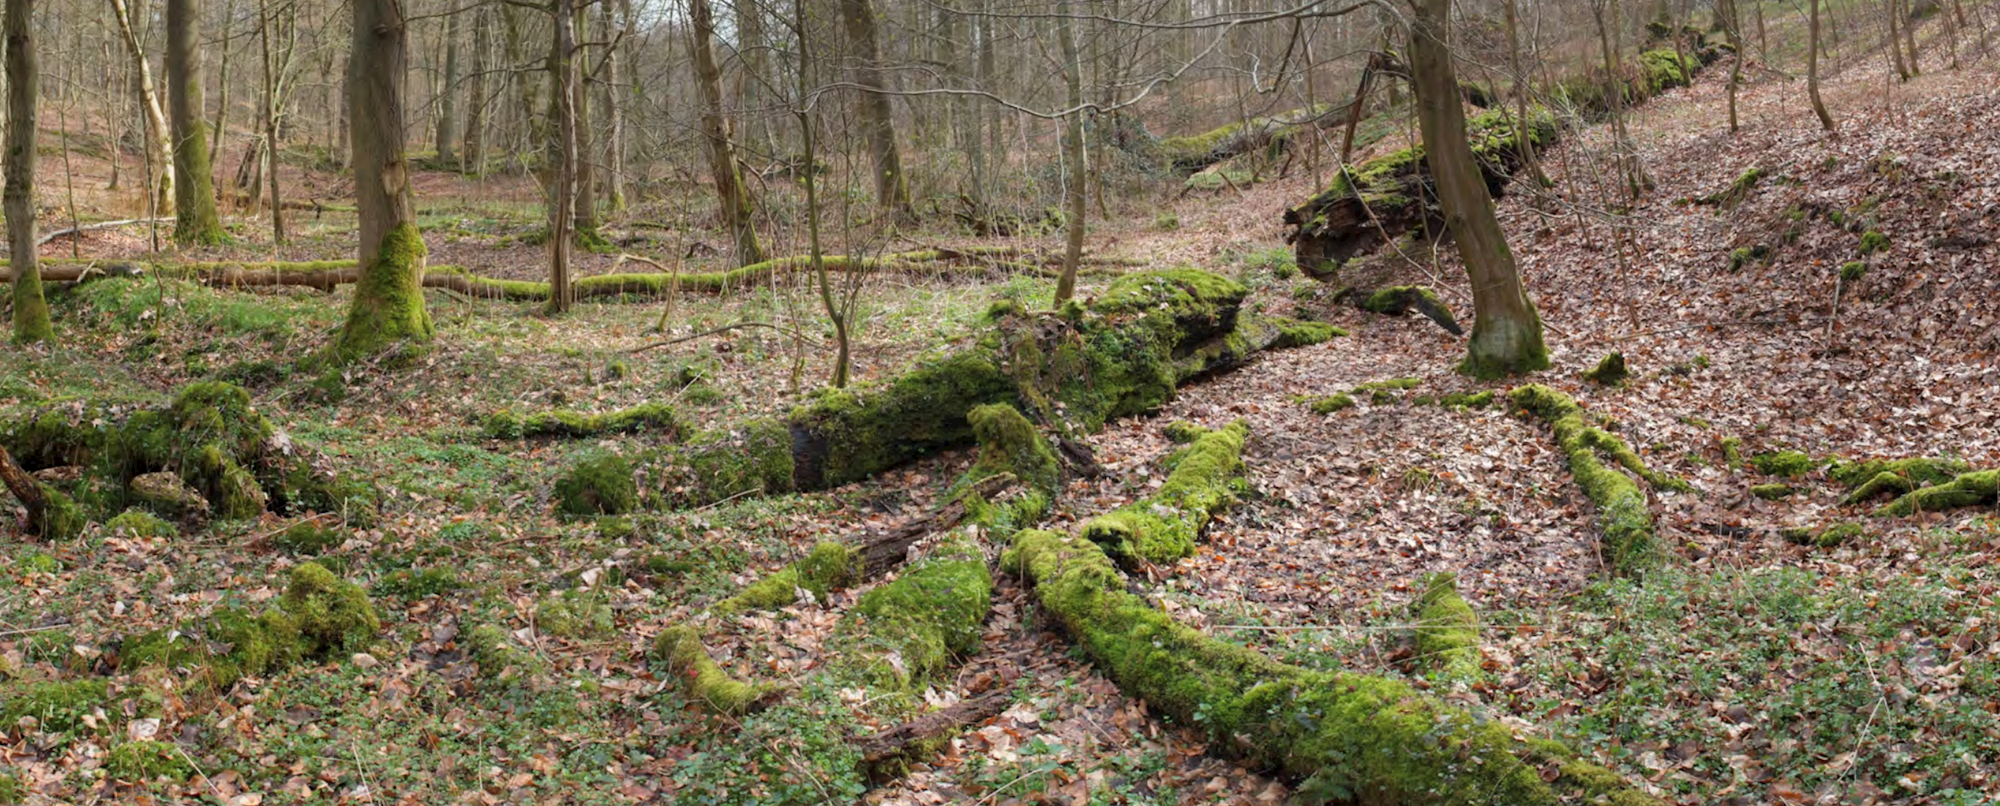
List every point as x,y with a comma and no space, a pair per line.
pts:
389,298
158,151
31,311
738,211
1506,331
878,123
195,221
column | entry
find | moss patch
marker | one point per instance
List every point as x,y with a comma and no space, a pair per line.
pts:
145,761
599,485
1772,492
1978,488
1207,476
508,424
574,614
57,706
1784,464
1609,372
141,524
332,614
389,300
1447,631
679,647
929,614
830,566
308,537
1630,542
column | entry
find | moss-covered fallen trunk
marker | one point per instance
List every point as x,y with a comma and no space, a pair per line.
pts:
210,437
1873,478
1630,543
510,424
1372,203
1206,476
1072,370
1978,488
1195,152
1447,631
1352,737
326,275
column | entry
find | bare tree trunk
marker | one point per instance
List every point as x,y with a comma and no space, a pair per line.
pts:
448,94
562,184
1895,45
892,188
1521,84
1812,69
584,166
389,298
1627,159
1763,45
474,153
157,148
738,211
1909,23
31,311
802,112
195,221
615,31
270,122
221,127
1732,26
1506,332
1073,159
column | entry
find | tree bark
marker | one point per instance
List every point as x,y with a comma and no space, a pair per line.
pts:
221,128
158,151
270,122
1812,69
195,221
31,311
583,181
1073,160
615,31
1521,83
1506,331
892,188
388,300
473,155
738,211
1895,45
562,185
448,93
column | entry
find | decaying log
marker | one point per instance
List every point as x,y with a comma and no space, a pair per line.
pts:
881,552
25,487
884,748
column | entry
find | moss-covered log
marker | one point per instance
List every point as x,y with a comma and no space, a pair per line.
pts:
701,679
1402,299
1072,370
318,617
1206,476
510,424
1351,737
1195,152
1870,479
1629,540
1447,631
1378,200
51,514
1977,488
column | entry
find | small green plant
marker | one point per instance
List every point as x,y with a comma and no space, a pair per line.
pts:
1873,241
1853,270
1166,221
307,538
144,761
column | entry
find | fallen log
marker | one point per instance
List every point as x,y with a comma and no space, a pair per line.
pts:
1631,545
1206,477
51,514
886,751
1351,737
1194,153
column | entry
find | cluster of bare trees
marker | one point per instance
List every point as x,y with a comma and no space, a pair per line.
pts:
1000,112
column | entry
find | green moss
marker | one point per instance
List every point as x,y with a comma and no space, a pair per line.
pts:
332,614
755,457
1732,452
1328,404
1918,471
417,583
1467,400
58,706
216,653
930,613
598,485
1300,334
830,566
1609,372
1666,69
1772,492
1447,631
1192,294
60,518
308,537
38,563
1629,538
1352,737
1824,537
574,615
859,432
497,656
1873,241
1182,432
1008,443
1207,476
1784,464
141,524
31,309
1977,488
507,424
145,761
679,647
11,789
1853,270
388,304
1747,255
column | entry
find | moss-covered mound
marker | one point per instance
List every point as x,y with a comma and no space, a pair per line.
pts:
1447,631
1352,737
830,566
908,630
1977,488
229,460
1870,479
1195,152
599,485
1207,476
1630,544
147,760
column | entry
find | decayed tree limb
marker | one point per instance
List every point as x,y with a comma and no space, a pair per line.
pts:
24,486
896,742
881,552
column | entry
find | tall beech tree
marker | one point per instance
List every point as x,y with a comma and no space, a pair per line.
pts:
878,121
738,212
389,299
1506,331
31,312
195,221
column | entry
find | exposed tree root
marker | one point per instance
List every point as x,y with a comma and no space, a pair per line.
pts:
1447,632
1352,737
51,515
1207,476
1629,540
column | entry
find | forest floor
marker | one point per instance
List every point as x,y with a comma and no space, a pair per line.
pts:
1751,670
